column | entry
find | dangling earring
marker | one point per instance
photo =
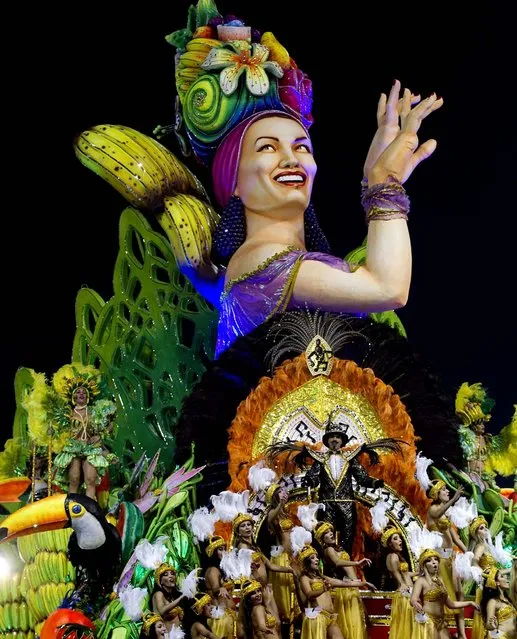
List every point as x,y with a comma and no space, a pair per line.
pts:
315,239
230,232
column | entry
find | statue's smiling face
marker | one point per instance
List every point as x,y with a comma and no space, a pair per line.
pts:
276,167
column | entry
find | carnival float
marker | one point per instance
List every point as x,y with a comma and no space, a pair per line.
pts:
244,443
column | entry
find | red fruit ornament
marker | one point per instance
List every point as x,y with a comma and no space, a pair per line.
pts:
64,623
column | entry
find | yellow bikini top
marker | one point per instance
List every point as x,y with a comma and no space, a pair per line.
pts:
175,612
270,620
486,561
505,613
256,557
344,555
403,566
286,524
436,594
441,525
318,585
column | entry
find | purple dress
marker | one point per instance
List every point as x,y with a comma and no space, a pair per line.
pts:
251,299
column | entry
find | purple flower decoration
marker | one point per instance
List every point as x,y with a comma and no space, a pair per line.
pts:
295,90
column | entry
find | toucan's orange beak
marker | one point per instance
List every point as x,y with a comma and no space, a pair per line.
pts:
45,514
12,489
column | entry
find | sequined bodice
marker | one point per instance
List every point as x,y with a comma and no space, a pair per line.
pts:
271,621
436,594
486,561
318,585
441,525
286,524
505,613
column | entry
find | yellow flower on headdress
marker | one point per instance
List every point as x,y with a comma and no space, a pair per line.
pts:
237,57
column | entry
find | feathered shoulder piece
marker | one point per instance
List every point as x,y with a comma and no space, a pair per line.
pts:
299,452
386,444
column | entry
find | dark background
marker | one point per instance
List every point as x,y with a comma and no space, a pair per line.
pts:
108,63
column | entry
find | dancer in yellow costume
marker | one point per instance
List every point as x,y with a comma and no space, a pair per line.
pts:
280,524
402,617
220,589
478,532
260,620
438,521
320,617
430,598
496,608
347,601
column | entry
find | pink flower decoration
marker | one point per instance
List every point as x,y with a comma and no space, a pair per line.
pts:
295,90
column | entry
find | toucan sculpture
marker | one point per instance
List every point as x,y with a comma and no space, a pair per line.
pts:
94,548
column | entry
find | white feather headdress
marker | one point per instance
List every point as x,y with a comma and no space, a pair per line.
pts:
465,569
236,564
421,539
497,551
260,477
462,513
201,523
188,586
300,537
379,518
422,464
151,555
132,600
307,515
228,505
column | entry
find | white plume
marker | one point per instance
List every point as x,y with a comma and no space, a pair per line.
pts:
422,464
307,515
228,505
378,513
201,523
462,513
132,599
497,551
236,564
421,539
260,477
151,555
175,632
216,612
188,586
465,569
276,551
299,538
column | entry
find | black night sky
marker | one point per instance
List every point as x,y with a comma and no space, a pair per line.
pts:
107,63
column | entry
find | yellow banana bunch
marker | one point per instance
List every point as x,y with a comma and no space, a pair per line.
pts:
46,579
138,167
189,224
189,63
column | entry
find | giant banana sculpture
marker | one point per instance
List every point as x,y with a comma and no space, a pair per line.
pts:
152,179
47,578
